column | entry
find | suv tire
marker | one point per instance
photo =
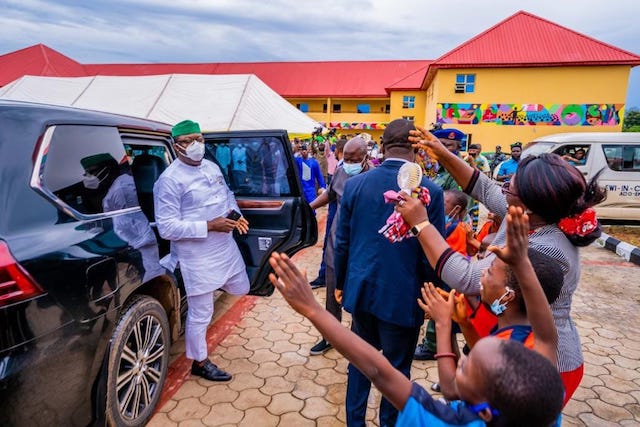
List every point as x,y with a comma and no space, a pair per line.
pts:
138,362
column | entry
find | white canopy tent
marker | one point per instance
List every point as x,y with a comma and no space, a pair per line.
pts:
217,102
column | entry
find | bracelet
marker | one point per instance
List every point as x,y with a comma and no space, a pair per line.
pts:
439,355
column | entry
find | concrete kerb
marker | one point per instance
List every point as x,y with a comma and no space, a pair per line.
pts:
623,249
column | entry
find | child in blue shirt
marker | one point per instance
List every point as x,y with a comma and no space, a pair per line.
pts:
494,383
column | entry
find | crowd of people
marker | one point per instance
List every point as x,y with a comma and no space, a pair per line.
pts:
506,285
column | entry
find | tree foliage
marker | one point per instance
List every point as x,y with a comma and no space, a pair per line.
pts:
631,120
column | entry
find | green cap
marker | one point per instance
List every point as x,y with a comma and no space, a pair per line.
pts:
185,127
96,159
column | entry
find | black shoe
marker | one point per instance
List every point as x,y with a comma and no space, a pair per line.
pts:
422,353
436,387
209,371
317,283
322,347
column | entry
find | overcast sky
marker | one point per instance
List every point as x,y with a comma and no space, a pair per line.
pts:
128,31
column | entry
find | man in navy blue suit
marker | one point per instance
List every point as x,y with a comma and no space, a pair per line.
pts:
379,281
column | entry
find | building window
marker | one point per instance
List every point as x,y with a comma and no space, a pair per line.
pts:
337,108
324,108
410,118
465,83
364,108
303,107
408,101
387,108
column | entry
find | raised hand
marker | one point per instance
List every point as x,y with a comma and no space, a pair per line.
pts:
439,309
517,244
293,285
459,314
422,138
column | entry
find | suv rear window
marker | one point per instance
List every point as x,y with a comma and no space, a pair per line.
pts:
80,164
252,166
622,157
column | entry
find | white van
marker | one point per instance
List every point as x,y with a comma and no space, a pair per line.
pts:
618,153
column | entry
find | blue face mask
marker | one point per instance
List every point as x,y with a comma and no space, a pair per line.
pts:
448,218
352,168
497,307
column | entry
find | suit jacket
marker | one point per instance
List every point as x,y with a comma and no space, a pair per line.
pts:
377,276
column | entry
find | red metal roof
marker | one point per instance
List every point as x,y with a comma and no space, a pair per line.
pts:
297,79
524,39
37,60
520,40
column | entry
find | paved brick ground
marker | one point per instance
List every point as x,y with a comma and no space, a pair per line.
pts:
276,383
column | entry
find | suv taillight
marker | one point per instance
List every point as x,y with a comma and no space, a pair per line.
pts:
15,283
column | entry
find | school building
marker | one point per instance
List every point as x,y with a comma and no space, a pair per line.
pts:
523,78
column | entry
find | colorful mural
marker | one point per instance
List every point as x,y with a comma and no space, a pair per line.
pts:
355,125
531,114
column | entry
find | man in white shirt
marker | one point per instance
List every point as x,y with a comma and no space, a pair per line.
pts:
192,205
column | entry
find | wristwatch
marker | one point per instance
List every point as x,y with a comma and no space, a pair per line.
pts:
416,229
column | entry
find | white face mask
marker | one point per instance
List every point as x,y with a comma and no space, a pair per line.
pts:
195,151
92,181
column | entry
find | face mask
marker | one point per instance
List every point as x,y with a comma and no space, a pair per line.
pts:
497,307
195,151
92,181
451,215
352,168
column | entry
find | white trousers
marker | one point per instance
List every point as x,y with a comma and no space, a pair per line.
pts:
199,316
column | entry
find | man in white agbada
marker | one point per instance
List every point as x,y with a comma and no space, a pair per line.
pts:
192,201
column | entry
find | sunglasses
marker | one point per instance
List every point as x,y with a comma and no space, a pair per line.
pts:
506,189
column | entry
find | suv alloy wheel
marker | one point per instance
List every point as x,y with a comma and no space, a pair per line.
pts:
138,362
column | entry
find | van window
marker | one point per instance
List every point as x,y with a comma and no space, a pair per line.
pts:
536,148
576,154
622,157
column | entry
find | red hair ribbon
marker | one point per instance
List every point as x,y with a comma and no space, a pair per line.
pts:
580,224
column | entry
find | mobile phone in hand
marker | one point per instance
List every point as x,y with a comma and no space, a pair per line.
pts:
234,215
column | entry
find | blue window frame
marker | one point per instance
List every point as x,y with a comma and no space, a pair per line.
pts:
408,101
364,108
465,83
303,107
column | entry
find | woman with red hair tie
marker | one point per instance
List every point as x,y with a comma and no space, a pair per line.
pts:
559,203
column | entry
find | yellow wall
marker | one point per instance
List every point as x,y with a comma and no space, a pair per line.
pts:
348,108
397,112
536,85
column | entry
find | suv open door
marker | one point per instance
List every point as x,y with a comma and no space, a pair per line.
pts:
260,169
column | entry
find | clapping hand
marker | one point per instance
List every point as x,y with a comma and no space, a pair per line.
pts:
438,308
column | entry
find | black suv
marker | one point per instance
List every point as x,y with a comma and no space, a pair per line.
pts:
87,315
